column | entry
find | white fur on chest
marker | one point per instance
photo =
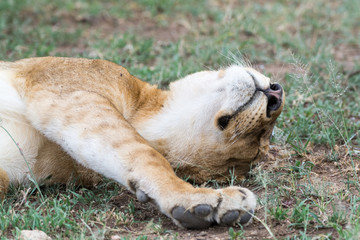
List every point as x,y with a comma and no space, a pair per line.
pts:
187,119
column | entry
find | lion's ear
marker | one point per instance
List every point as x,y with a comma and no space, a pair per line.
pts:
222,121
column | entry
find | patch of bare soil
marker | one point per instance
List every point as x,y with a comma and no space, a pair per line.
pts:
143,25
348,55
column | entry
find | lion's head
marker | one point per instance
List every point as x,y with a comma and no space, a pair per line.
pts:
215,122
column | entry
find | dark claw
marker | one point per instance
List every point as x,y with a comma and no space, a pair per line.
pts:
230,217
246,217
141,196
190,220
203,210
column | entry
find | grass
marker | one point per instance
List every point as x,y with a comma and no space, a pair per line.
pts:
311,187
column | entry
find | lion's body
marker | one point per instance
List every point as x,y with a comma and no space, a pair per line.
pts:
24,80
80,119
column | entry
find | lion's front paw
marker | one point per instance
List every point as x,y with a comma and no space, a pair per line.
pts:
202,208
237,206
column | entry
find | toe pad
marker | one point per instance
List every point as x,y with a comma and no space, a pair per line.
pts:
192,220
246,217
141,196
230,217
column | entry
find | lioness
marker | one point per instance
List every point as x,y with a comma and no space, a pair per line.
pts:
77,118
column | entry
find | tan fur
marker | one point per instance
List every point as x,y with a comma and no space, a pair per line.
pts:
4,183
90,114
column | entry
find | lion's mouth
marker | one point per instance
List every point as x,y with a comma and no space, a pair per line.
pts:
274,100
274,96
248,103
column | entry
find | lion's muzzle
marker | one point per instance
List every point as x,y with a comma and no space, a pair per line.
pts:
274,94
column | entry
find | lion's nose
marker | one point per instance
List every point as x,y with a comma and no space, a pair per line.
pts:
274,95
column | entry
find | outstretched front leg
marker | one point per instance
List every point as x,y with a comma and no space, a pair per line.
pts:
96,135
